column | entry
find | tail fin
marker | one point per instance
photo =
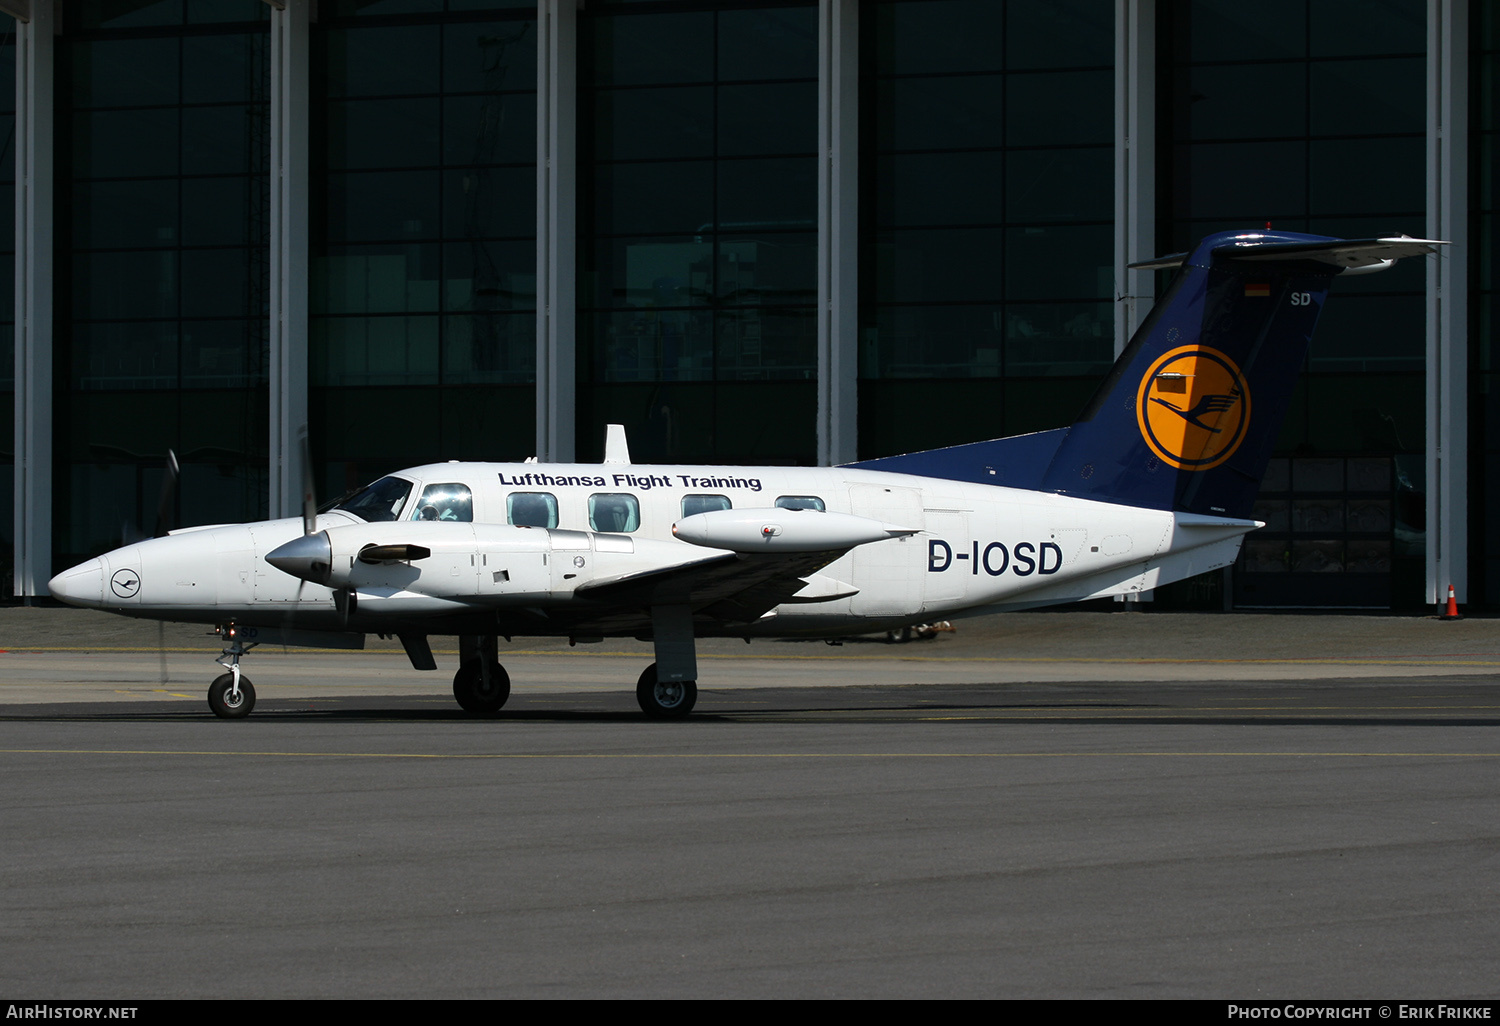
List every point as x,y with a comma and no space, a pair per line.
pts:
1187,418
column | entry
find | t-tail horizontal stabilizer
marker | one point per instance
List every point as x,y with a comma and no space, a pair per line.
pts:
1187,418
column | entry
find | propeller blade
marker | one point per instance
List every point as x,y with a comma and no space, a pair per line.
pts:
168,489
309,493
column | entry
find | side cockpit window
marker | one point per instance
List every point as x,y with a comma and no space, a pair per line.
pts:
799,502
618,513
531,509
703,504
452,503
381,501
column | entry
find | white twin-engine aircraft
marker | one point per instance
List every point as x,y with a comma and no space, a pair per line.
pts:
1153,483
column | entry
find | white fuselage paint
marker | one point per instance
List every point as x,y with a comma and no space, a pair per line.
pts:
978,548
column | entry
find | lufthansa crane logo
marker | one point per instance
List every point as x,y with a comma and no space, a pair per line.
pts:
1193,407
125,583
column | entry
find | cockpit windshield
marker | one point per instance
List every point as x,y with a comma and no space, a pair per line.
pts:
380,501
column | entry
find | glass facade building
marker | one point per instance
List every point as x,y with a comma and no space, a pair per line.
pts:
436,229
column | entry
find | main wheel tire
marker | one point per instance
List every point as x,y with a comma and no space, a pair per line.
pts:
473,696
223,701
669,700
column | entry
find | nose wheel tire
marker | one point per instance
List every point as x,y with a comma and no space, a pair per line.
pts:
471,692
223,700
665,700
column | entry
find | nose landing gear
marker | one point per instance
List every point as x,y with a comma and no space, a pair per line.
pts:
231,696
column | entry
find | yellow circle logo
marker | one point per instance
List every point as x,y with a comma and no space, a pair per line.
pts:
1193,408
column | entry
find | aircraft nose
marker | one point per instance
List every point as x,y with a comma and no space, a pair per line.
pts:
309,557
83,585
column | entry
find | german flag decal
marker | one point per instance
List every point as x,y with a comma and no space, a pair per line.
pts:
1257,290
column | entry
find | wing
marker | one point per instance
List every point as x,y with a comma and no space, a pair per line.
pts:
727,588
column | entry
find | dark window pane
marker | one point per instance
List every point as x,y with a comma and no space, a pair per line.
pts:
221,354
486,275
653,48
768,269
124,72
1337,188
653,273
1348,27
400,278
374,351
225,140
768,44
766,344
495,348
485,57
939,265
219,68
1059,263
489,201
1227,30
1060,34
495,129
651,345
1229,181
634,124
139,355
110,215
969,191
948,36
381,61
1056,109
125,144
93,14
383,205
649,198
778,118
1368,97
216,283
382,133
1059,185
224,211
1242,101
110,285
952,112
768,194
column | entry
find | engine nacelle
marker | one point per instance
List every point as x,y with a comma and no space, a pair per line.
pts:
422,567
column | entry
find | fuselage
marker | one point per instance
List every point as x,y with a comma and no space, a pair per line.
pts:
512,543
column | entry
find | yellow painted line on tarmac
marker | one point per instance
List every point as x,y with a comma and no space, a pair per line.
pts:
581,756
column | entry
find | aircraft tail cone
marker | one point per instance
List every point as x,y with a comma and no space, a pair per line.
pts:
1451,613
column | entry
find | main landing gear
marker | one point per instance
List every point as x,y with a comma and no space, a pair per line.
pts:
231,696
665,700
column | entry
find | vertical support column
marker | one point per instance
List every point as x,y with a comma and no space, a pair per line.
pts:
1447,299
838,231
1135,163
556,229
287,370
33,285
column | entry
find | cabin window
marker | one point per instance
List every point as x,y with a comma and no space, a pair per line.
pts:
799,502
379,502
452,503
531,509
619,513
703,504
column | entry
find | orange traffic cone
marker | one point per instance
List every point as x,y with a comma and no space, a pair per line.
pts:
1451,613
